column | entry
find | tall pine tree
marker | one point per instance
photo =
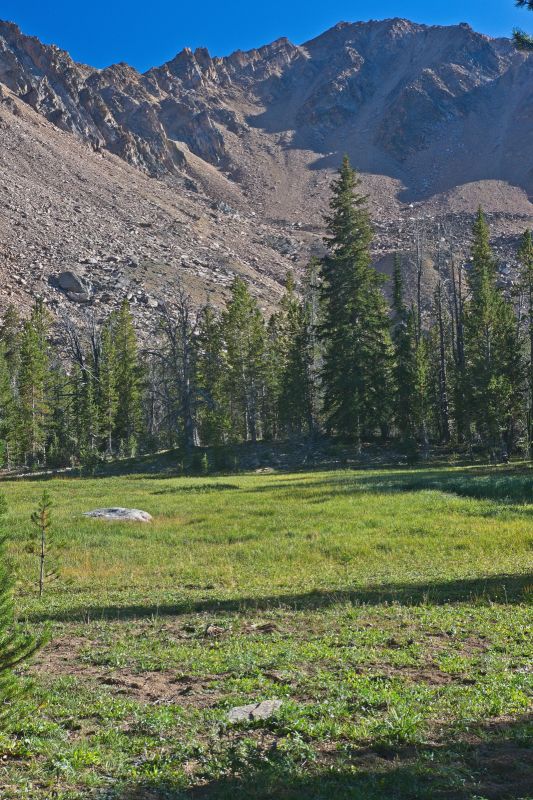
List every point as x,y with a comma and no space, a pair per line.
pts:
491,346
357,351
244,339
525,257
213,412
107,389
410,369
15,645
33,384
295,399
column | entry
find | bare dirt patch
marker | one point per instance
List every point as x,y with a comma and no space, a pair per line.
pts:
61,659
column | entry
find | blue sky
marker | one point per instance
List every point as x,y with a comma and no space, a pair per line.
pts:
145,34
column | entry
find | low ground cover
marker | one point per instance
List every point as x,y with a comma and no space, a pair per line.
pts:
388,609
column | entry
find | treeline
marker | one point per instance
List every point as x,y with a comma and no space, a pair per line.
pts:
336,358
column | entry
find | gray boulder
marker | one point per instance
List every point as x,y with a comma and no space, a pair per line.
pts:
120,514
70,282
254,711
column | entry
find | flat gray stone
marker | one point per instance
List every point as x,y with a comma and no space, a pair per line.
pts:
79,297
254,711
120,514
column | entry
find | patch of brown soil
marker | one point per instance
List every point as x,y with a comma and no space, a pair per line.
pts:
431,675
162,688
59,653
61,659
426,673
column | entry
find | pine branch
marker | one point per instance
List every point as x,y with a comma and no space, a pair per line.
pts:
523,41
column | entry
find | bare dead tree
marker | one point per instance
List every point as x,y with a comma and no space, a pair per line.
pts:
175,357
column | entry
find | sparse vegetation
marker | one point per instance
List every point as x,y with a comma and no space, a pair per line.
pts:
42,521
16,645
388,609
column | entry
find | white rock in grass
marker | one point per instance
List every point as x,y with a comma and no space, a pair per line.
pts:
254,711
120,514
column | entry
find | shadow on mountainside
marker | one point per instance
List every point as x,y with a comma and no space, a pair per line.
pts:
492,762
496,588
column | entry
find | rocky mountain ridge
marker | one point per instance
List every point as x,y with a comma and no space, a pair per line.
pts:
121,233
437,119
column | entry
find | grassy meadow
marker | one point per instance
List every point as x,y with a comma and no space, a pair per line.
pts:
390,611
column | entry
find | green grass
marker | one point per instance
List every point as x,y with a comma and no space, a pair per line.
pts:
387,609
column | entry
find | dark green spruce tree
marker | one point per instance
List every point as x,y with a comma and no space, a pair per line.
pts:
243,330
8,415
273,376
410,369
525,257
107,389
354,329
213,407
15,645
295,399
33,386
492,347
405,362
288,385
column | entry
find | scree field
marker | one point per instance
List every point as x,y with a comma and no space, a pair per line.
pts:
387,610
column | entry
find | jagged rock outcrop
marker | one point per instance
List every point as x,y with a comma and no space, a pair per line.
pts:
437,119
396,95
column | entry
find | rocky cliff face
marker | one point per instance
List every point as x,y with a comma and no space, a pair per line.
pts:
438,120
396,95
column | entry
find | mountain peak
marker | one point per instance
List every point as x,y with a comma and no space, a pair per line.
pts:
423,112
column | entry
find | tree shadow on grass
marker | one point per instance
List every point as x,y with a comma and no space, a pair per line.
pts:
512,589
514,485
200,488
493,762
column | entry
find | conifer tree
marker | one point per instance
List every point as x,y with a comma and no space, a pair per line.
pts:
107,391
458,373
441,326
128,380
10,341
213,414
311,306
15,645
492,349
404,340
410,368
42,521
88,421
62,427
244,340
273,376
8,416
10,335
295,357
357,352
33,382
525,257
